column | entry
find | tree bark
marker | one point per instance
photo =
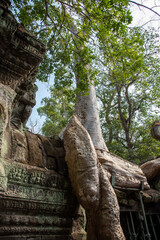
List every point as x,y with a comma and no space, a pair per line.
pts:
86,110
91,184
125,122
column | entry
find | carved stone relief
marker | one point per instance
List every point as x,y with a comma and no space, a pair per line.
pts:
36,198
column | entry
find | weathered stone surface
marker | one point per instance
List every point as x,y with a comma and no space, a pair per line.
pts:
51,163
35,150
127,174
55,153
36,202
7,96
91,184
19,147
23,103
24,52
33,200
36,198
79,225
52,146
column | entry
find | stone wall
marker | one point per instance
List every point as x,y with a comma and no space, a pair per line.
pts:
36,198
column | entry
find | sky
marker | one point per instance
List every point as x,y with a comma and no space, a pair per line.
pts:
35,119
141,17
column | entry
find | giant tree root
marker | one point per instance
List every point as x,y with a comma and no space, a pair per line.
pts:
91,185
127,174
151,170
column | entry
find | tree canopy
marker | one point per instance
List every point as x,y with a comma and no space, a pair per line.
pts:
123,62
127,73
129,92
66,26
57,109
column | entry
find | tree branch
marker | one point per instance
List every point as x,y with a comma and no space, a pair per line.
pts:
148,22
46,6
129,106
141,5
75,8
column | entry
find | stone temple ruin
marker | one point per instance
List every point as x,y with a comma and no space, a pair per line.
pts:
36,199
36,196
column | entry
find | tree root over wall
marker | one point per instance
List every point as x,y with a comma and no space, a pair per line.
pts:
91,184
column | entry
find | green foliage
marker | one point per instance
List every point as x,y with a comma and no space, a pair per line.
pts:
123,63
57,109
66,27
145,146
129,92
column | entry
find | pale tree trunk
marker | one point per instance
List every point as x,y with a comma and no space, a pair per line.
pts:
86,110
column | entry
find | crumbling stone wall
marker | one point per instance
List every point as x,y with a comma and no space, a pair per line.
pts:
36,198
